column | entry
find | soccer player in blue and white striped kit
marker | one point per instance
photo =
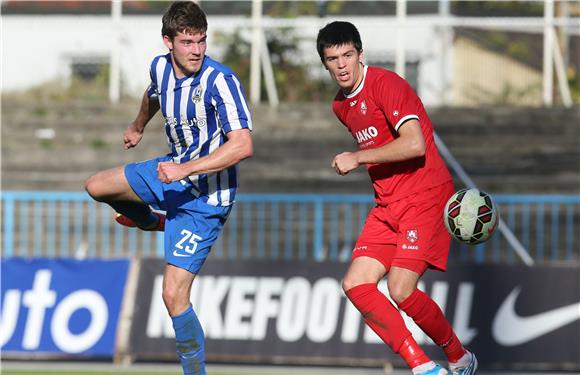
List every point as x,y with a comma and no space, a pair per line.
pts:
208,124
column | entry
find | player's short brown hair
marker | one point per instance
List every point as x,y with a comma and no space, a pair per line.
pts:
183,16
337,33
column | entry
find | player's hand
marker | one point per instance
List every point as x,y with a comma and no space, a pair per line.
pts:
168,171
345,162
132,136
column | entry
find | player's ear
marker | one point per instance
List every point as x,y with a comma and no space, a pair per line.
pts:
361,56
168,42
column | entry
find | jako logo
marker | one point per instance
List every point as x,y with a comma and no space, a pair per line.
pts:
38,301
366,134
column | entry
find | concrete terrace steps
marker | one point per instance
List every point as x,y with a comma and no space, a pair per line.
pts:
510,150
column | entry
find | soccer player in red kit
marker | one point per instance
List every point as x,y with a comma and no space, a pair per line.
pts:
404,233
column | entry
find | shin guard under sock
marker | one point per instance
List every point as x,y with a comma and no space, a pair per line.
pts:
190,342
429,317
379,314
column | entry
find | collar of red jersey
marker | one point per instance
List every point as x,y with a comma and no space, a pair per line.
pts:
360,86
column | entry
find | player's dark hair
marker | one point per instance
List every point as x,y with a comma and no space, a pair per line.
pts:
337,33
183,16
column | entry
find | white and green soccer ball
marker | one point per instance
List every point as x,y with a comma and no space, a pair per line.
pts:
471,216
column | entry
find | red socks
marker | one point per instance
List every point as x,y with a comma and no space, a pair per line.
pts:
412,353
429,317
379,314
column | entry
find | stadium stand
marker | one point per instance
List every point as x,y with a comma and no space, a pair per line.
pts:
505,150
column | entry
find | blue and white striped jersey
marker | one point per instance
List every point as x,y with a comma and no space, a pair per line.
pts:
199,110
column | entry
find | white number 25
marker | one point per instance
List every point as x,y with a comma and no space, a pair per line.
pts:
191,238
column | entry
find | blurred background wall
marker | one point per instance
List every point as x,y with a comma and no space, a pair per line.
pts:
500,81
72,73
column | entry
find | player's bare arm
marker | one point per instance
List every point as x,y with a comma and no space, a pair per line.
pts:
345,162
134,131
238,147
409,145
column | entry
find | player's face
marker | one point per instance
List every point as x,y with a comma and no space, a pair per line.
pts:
187,51
344,64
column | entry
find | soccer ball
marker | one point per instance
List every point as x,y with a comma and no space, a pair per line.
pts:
470,216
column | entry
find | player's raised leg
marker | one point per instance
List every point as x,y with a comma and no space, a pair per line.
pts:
111,186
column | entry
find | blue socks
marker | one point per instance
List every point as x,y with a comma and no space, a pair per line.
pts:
190,342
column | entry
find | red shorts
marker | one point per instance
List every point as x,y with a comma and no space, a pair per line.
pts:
408,233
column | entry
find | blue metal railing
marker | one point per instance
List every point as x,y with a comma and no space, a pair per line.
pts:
272,226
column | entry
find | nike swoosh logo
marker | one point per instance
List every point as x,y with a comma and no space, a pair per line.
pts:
180,255
510,329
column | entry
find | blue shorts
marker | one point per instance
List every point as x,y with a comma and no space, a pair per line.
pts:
192,226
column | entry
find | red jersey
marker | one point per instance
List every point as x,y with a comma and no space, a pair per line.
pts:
373,114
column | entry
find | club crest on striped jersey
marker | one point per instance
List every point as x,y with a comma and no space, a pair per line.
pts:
199,122
196,95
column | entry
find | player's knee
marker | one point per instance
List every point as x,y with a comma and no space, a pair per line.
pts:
350,281
170,299
175,301
92,187
399,291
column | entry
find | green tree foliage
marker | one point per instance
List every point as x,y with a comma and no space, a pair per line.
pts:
498,8
574,83
296,80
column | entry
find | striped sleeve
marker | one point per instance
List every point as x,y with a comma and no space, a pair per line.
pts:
231,104
153,90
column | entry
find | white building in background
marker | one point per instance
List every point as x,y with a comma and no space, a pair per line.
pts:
38,50
43,49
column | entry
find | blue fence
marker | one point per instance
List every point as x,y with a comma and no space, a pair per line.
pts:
273,226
